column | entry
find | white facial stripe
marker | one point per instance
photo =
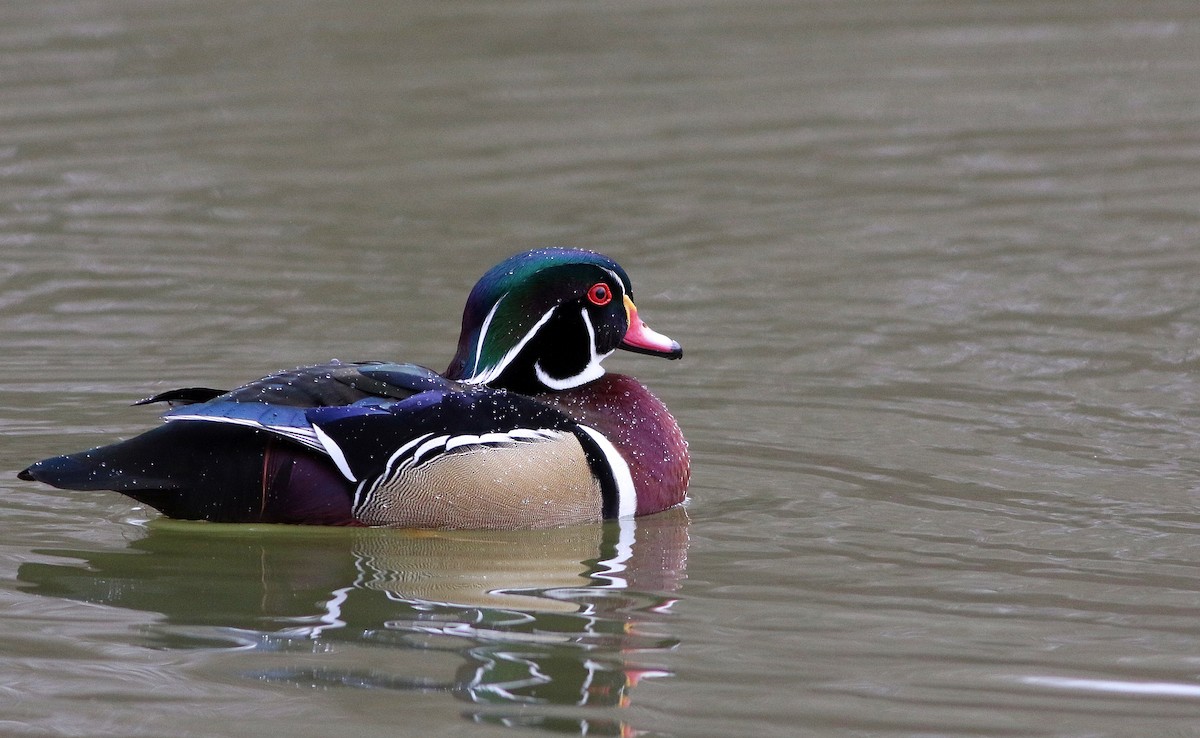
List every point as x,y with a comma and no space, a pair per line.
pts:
483,377
624,287
487,323
626,493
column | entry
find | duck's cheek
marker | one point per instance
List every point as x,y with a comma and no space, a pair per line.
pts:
609,330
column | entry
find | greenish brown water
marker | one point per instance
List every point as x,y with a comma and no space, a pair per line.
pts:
933,265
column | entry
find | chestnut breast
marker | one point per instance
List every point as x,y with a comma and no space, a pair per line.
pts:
641,428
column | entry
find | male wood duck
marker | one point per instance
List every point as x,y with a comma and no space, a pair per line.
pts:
523,430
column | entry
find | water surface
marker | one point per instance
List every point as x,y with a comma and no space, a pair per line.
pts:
933,265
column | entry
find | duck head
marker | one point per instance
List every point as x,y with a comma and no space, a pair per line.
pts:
545,319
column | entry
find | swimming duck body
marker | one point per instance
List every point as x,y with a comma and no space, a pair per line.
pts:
524,429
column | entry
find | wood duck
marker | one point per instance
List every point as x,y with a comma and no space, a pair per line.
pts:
524,429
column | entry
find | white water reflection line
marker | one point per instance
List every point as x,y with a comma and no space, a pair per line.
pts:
330,619
1113,686
612,570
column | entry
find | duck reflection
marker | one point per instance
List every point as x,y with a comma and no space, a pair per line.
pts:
551,617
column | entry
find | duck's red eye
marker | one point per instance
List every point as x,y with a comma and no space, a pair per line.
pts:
600,294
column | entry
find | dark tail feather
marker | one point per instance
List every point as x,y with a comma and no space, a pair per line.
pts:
207,471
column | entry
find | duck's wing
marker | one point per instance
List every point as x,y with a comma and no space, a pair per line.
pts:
277,403
319,385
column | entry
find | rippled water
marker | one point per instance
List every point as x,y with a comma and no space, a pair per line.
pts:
933,265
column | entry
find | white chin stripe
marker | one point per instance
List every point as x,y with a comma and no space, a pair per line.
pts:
626,494
593,370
